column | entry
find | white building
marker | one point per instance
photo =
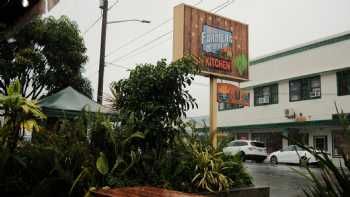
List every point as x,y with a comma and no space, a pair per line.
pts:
307,79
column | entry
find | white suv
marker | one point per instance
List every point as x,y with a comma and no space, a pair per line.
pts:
250,150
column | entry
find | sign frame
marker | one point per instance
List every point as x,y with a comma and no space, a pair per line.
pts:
189,22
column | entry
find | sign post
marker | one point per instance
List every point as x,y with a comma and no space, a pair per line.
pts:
213,112
220,46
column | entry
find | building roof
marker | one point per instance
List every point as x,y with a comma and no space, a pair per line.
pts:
302,47
324,55
69,102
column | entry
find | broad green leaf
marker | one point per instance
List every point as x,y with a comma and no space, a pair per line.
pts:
102,164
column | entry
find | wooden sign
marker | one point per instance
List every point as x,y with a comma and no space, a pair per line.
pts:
228,93
219,44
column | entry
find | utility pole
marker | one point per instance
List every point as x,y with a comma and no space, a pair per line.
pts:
104,7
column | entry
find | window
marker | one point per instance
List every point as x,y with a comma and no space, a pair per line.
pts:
289,148
266,95
343,83
272,140
305,89
320,143
258,144
237,143
338,141
295,135
242,143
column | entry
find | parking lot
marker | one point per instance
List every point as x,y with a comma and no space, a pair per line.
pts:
282,179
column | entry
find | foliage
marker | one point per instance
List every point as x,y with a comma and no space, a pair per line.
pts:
149,145
145,143
51,162
209,170
45,54
20,114
153,101
334,182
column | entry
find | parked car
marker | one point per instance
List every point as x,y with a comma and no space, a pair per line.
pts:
248,150
292,154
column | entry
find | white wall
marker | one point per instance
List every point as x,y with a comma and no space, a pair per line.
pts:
325,58
319,60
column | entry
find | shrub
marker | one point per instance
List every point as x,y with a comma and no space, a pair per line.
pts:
334,181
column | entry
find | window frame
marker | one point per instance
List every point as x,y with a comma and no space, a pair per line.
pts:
325,138
343,76
272,94
305,88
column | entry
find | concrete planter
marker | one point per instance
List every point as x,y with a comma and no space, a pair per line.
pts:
242,192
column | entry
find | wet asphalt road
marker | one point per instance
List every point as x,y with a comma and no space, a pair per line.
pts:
282,179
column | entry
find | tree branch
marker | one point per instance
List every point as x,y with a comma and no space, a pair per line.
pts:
39,92
3,88
27,82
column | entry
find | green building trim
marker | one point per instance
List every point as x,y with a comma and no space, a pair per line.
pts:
284,125
302,49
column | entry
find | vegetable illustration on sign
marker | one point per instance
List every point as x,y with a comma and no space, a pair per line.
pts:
241,63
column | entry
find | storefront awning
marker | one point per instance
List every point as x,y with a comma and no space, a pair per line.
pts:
284,125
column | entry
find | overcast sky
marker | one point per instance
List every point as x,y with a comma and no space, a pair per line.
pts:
273,25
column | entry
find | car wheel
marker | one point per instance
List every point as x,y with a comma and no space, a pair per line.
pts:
242,156
274,160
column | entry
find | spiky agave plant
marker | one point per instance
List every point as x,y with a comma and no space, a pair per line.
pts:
334,181
209,170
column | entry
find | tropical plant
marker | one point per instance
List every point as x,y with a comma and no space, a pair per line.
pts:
46,55
334,181
208,170
153,101
20,114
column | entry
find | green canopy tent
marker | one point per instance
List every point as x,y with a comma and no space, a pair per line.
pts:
69,103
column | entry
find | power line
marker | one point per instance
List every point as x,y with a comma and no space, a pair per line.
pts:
148,49
222,6
138,37
128,69
92,25
217,8
141,47
115,3
144,34
99,18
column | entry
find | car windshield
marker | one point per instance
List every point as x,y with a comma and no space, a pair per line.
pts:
258,144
